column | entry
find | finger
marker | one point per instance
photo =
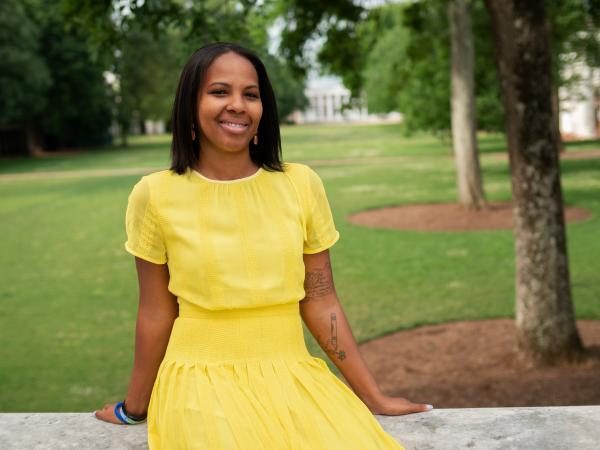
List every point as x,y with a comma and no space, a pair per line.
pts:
103,414
108,417
421,407
412,408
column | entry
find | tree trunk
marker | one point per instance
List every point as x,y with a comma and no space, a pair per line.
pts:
544,311
33,142
555,88
556,115
124,134
464,129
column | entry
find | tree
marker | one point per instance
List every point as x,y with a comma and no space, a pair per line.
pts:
289,90
53,86
147,66
544,310
409,65
306,19
78,111
24,77
464,124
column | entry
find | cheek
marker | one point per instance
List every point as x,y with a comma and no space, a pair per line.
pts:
209,106
258,114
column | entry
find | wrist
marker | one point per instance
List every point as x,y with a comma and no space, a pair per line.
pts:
134,408
371,398
126,418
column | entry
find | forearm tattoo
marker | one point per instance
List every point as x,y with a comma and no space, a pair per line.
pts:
332,343
318,283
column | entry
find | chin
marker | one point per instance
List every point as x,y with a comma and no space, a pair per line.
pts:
228,145
235,148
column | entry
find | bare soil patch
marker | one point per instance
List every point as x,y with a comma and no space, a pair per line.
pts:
448,217
476,364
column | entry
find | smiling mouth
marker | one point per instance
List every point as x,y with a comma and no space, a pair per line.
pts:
234,125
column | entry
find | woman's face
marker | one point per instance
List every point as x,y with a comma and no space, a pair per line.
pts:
229,105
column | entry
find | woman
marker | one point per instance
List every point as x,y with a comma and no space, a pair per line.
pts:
231,249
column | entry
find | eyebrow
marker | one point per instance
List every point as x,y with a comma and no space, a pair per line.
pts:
228,85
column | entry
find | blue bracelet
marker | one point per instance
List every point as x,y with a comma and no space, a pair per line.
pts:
122,415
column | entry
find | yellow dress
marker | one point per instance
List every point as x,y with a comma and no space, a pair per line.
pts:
237,374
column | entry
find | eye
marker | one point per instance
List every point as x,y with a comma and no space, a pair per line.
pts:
218,92
252,95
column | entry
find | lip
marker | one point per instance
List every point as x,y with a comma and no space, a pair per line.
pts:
233,126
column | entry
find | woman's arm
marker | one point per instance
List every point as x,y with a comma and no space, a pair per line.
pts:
157,311
323,314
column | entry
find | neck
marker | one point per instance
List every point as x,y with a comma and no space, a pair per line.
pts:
226,167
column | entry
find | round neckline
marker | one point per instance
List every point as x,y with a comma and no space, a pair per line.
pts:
235,180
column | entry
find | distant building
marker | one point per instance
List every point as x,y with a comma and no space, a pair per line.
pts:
329,101
154,127
580,102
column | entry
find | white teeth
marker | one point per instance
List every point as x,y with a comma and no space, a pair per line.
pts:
235,125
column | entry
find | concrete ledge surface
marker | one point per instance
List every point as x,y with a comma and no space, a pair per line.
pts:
545,428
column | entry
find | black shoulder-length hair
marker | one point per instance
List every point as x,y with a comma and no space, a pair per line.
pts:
184,150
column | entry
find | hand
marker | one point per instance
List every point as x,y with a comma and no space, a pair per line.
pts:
396,406
107,414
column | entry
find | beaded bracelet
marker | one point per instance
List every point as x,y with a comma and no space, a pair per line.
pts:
124,417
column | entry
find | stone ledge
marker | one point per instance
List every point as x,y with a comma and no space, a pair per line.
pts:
545,428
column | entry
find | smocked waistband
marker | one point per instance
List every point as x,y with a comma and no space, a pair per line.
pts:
188,310
264,333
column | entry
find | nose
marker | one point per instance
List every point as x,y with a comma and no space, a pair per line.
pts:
236,103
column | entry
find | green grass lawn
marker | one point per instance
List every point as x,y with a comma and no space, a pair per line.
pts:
68,289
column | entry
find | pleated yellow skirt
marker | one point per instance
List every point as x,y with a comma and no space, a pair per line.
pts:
244,380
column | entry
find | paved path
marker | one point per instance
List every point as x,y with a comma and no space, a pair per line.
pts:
62,174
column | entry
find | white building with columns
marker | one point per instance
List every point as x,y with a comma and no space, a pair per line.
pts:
329,102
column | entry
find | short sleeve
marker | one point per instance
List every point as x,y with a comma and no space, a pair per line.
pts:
144,234
320,233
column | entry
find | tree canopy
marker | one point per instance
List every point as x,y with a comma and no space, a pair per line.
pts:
24,75
78,111
52,84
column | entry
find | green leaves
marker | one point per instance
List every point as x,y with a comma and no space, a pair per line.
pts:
309,19
51,82
24,76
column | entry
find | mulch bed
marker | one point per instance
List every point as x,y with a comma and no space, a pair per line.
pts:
448,217
476,364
